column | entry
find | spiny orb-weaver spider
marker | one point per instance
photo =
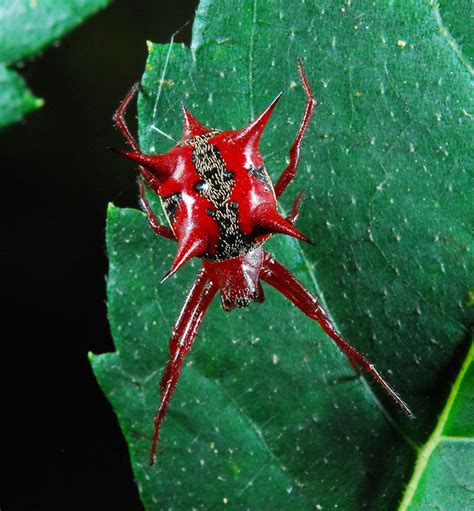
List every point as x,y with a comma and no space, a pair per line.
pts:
222,207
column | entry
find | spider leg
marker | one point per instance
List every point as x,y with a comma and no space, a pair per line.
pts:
284,281
119,120
182,338
295,208
161,230
289,173
119,117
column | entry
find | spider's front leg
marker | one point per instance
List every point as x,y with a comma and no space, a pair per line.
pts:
182,338
289,173
121,123
284,281
119,117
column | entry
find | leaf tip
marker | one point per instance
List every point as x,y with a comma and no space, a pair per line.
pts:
38,102
111,209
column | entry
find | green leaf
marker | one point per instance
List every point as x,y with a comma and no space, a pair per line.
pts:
444,473
26,28
268,414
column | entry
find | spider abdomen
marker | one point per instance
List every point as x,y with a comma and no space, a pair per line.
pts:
223,192
215,191
218,182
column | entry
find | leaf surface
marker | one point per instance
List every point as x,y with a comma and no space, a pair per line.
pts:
26,28
267,413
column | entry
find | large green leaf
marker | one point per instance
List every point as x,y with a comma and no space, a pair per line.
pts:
444,473
268,414
26,28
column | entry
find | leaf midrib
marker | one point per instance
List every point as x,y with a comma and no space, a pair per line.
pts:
451,41
436,438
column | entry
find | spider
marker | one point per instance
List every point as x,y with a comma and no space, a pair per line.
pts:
221,207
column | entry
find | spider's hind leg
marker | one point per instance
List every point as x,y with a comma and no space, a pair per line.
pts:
284,281
182,338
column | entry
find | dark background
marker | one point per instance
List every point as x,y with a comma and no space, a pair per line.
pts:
61,444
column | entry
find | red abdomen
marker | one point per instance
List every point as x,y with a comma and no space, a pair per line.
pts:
215,191
221,190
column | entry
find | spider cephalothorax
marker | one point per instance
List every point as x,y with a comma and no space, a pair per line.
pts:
222,206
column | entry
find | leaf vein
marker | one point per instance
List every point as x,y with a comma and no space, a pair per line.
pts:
260,435
450,39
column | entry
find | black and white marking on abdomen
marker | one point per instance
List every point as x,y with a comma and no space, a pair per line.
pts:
216,184
261,175
170,205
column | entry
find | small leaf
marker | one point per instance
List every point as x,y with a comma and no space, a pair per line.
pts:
26,28
15,98
268,414
444,471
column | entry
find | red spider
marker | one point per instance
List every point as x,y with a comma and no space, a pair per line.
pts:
221,206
